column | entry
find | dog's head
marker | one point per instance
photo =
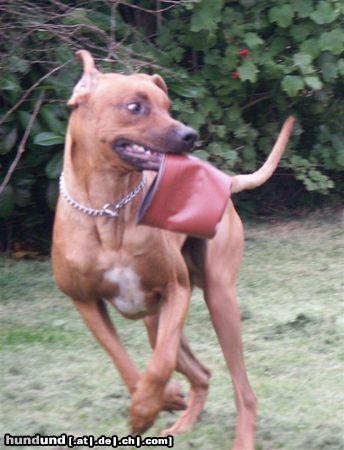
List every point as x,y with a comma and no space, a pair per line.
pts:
129,116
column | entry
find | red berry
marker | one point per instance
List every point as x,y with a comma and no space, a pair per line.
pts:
235,75
244,52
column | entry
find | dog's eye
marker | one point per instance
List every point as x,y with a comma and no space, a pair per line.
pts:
135,107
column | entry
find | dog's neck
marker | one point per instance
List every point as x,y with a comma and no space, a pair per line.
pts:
101,187
94,183
94,187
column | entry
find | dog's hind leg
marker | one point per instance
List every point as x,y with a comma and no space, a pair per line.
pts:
196,373
221,264
95,315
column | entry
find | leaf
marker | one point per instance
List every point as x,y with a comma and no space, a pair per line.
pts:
213,58
198,41
341,66
177,54
292,84
10,140
101,20
283,15
207,14
310,47
253,40
248,3
43,35
278,45
50,115
35,157
64,53
202,154
185,90
47,138
6,202
54,167
304,62
248,71
329,66
10,83
272,71
337,140
197,119
210,105
314,82
24,117
332,41
324,13
303,8
230,155
250,157
77,16
19,65
300,32
302,59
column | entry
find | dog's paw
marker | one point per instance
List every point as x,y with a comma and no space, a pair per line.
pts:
174,399
142,417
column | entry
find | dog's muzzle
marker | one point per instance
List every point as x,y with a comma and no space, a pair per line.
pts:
177,140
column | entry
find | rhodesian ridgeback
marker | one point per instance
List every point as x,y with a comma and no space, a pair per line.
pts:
118,130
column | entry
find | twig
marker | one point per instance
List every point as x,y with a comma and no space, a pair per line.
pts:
21,148
159,15
254,102
113,26
150,11
32,88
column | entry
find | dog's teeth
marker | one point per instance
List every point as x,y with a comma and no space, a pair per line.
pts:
136,148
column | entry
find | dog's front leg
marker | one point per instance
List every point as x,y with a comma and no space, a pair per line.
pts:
95,315
148,399
196,373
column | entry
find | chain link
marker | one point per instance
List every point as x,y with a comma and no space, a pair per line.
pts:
109,209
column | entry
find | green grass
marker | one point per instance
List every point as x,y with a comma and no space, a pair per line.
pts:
56,379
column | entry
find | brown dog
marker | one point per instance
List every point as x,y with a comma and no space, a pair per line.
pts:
120,126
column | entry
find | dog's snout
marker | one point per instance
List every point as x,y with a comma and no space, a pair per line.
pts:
187,137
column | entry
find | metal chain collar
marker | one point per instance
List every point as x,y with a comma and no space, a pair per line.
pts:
109,209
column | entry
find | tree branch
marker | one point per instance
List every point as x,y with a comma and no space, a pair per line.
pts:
32,88
21,148
254,102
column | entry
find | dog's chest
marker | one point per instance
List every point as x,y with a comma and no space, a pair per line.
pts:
130,298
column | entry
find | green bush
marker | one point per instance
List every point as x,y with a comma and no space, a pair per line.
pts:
235,70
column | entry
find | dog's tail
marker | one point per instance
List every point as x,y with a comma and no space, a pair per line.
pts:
255,179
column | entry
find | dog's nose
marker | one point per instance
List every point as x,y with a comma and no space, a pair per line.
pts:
187,137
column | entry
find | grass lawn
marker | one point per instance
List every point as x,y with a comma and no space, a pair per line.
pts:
56,379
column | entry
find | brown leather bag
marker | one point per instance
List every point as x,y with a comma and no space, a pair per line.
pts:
187,195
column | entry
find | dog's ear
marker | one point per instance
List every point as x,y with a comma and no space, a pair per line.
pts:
159,81
88,80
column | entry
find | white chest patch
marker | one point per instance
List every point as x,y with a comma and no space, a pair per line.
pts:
130,299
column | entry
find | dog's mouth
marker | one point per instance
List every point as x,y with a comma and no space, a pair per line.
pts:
137,155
